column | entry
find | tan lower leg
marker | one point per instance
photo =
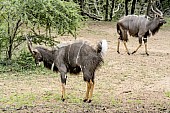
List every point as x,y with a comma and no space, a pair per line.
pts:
91,89
146,51
118,44
63,91
138,47
124,42
87,92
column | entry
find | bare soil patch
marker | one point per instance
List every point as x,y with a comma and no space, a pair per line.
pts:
125,83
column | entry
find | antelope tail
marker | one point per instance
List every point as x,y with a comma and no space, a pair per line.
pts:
118,29
102,47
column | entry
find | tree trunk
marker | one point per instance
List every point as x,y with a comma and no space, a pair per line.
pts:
126,7
10,48
148,7
11,38
107,10
133,7
8,55
111,12
81,3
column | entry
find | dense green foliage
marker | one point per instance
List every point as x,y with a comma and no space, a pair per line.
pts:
38,18
21,63
52,14
109,9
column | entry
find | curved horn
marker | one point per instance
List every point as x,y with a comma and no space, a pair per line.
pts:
29,45
159,12
155,11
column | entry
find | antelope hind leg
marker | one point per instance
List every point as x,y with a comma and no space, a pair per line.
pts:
118,44
63,92
87,92
91,91
62,69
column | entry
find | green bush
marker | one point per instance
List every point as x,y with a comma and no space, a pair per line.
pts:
42,18
25,61
21,63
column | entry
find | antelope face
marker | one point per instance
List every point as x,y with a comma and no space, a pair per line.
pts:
34,51
159,15
37,56
162,21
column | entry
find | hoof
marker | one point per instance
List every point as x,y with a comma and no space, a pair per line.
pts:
147,54
118,52
89,101
128,53
63,99
85,100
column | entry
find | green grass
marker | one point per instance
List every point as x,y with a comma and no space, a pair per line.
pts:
49,96
72,98
28,75
28,99
97,98
167,94
137,101
18,100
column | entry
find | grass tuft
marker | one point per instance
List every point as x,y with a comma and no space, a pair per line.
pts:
18,100
167,94
115,102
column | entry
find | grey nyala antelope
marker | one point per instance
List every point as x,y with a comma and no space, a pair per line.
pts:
139,26
72,58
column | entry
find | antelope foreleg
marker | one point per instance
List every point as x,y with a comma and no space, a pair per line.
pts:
145,42
137,49
140,44
146,51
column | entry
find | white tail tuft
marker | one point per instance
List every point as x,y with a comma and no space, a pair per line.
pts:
104,47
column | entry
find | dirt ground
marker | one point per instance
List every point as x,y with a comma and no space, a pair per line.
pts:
124,84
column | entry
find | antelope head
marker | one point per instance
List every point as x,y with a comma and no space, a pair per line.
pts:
158,15
35,53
